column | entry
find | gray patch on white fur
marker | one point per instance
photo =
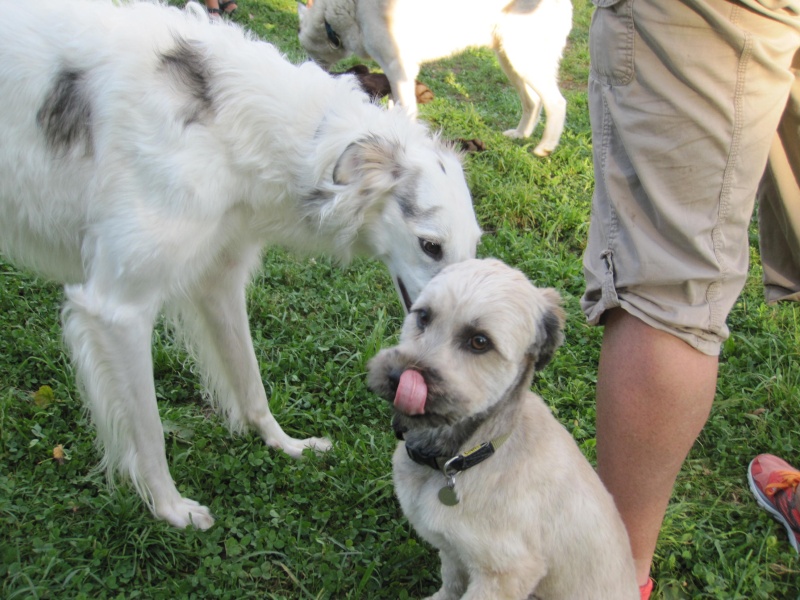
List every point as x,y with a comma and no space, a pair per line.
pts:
187,70
406,194
312,203
66,113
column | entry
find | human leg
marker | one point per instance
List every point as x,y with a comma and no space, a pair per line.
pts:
779,205
216,8
654,393
212,6
228,7
679,148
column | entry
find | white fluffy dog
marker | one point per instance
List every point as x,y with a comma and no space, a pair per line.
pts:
148,156
486,474
528,37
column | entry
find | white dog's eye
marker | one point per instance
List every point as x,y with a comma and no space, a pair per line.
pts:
430,248
423,318
479,344
333,38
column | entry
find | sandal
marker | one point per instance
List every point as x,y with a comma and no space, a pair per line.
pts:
224,7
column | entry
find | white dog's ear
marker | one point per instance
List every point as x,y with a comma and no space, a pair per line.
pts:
302,10
550,330
374,162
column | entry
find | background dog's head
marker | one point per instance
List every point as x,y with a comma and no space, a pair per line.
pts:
473,339
320,38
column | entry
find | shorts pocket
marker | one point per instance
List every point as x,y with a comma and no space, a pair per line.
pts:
611,42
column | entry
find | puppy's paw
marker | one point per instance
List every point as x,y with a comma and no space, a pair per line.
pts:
185,512
443,594
542,150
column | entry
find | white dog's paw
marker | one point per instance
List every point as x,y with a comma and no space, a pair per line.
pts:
275,437
185,512
542,150
294,447
513,133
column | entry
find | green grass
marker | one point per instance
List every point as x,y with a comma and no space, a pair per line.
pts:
328,526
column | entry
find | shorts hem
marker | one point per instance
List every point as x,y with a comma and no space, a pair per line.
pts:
711,347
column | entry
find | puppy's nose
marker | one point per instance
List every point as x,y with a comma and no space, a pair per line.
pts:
394,377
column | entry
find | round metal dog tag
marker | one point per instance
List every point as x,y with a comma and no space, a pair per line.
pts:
448,496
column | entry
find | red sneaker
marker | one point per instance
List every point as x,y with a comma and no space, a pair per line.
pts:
774,484
645,590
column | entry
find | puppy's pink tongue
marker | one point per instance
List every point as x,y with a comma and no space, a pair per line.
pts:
411,393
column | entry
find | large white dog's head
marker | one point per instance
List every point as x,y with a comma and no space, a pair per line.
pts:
394,192
324,42
424,220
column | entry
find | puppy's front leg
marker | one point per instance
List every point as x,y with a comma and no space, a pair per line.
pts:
506,585
454,578
220,335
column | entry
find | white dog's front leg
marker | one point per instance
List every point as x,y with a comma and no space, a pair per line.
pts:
111,346
218,329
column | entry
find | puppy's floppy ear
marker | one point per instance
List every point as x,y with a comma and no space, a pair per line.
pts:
374,162
550,330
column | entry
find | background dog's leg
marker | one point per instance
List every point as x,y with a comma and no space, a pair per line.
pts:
406,95
531,102
535,77
216,326
111,346
555,108
402,79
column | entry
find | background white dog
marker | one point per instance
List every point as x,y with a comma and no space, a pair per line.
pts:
147,157
486,474
528,37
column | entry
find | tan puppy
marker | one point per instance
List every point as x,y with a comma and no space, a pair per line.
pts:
486,473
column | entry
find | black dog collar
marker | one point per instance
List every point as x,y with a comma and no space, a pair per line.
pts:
460,462
450,467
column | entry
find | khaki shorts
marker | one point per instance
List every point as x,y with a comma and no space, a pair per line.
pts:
685,100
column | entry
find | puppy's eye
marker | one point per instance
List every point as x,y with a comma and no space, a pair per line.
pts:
423,318
432,249
478,344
